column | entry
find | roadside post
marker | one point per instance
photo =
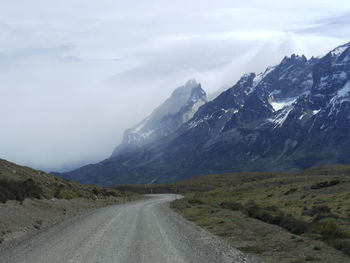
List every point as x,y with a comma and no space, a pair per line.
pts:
176,192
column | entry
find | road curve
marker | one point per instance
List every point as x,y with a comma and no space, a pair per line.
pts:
142,231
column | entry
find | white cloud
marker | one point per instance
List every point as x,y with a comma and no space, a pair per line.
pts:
74,74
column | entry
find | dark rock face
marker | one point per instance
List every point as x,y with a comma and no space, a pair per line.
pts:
291,117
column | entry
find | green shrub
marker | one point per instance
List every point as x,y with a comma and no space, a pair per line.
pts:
231,205
291,191
19,190
272,216
324,184
319,217
328,230
102,192
95,191
322,209
194,201
57,193
66,194
294,225
340,244
310,258
260,213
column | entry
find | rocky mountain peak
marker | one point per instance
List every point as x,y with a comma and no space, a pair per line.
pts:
332,72
340,51
185,90
293,59
166,118
197,93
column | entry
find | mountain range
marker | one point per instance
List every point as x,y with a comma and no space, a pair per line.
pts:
292,116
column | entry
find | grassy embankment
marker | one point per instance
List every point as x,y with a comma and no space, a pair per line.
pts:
44,199
281,217
19,182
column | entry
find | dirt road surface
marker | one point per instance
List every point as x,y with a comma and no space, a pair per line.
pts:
141,231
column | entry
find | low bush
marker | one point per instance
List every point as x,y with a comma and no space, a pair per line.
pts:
105,192
340,244
194,201
320,217
324,184
231,205
66,194
19,190
326,231
316,210
288,222
291,191
260,213
95,191
294,225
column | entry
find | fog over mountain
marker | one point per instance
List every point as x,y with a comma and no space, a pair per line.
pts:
75,74
290,117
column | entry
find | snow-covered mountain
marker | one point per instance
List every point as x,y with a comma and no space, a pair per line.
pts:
292,116
165,119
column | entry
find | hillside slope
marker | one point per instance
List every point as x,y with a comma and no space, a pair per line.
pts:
31,200
19,182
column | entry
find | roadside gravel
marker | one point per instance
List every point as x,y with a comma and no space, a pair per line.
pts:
20,221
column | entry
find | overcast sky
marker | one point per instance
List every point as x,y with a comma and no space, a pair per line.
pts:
75,73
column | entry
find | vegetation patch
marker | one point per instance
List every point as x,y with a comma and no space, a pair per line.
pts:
311,208
325,184
326,231
19,182
252,250
19,190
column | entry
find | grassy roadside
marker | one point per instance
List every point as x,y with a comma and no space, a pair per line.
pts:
31,200
270,242
19,182
282,218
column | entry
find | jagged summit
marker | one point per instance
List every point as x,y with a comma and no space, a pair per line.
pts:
186,89
197,93
293,58
165,119
338,51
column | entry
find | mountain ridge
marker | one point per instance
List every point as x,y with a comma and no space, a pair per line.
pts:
292,116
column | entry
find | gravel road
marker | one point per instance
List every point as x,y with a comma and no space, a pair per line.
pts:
141,231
